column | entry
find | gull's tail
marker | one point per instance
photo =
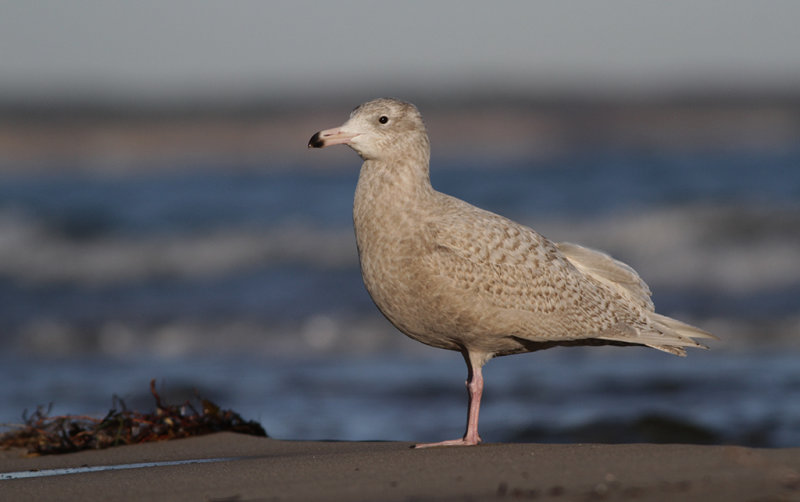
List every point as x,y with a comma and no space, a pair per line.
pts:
666,333
673,330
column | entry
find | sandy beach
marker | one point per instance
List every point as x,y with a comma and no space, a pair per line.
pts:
232,467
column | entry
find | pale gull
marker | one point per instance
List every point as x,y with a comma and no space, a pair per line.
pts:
454,276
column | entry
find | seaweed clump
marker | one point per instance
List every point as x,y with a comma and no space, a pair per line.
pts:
42,434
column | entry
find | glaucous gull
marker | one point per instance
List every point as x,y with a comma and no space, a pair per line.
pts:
457,277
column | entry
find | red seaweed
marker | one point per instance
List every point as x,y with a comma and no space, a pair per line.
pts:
42,434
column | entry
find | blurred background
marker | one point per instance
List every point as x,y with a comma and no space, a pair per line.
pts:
161,217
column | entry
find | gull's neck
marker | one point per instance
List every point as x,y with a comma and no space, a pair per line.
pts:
392,195
395,181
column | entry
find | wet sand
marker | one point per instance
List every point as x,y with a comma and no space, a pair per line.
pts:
246,468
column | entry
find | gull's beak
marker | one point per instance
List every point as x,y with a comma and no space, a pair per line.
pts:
328,137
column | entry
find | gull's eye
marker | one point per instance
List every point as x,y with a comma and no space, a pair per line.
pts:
383,119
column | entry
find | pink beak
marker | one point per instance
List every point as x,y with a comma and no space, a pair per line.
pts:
330,137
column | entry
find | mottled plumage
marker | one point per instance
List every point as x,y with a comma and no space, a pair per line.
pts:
457,277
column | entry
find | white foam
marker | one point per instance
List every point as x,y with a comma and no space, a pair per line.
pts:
29,253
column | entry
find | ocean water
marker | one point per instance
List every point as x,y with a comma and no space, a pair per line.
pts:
242,281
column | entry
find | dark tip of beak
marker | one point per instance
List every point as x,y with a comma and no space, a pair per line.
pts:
315,141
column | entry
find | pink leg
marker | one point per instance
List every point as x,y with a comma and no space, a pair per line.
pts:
475,388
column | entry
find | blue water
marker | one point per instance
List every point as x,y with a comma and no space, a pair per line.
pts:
555,396
244,282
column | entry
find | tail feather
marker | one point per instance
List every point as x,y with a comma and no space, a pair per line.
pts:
660,338
672,335
680,327
677,351
679,330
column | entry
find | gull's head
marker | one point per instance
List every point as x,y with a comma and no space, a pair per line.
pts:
379,129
